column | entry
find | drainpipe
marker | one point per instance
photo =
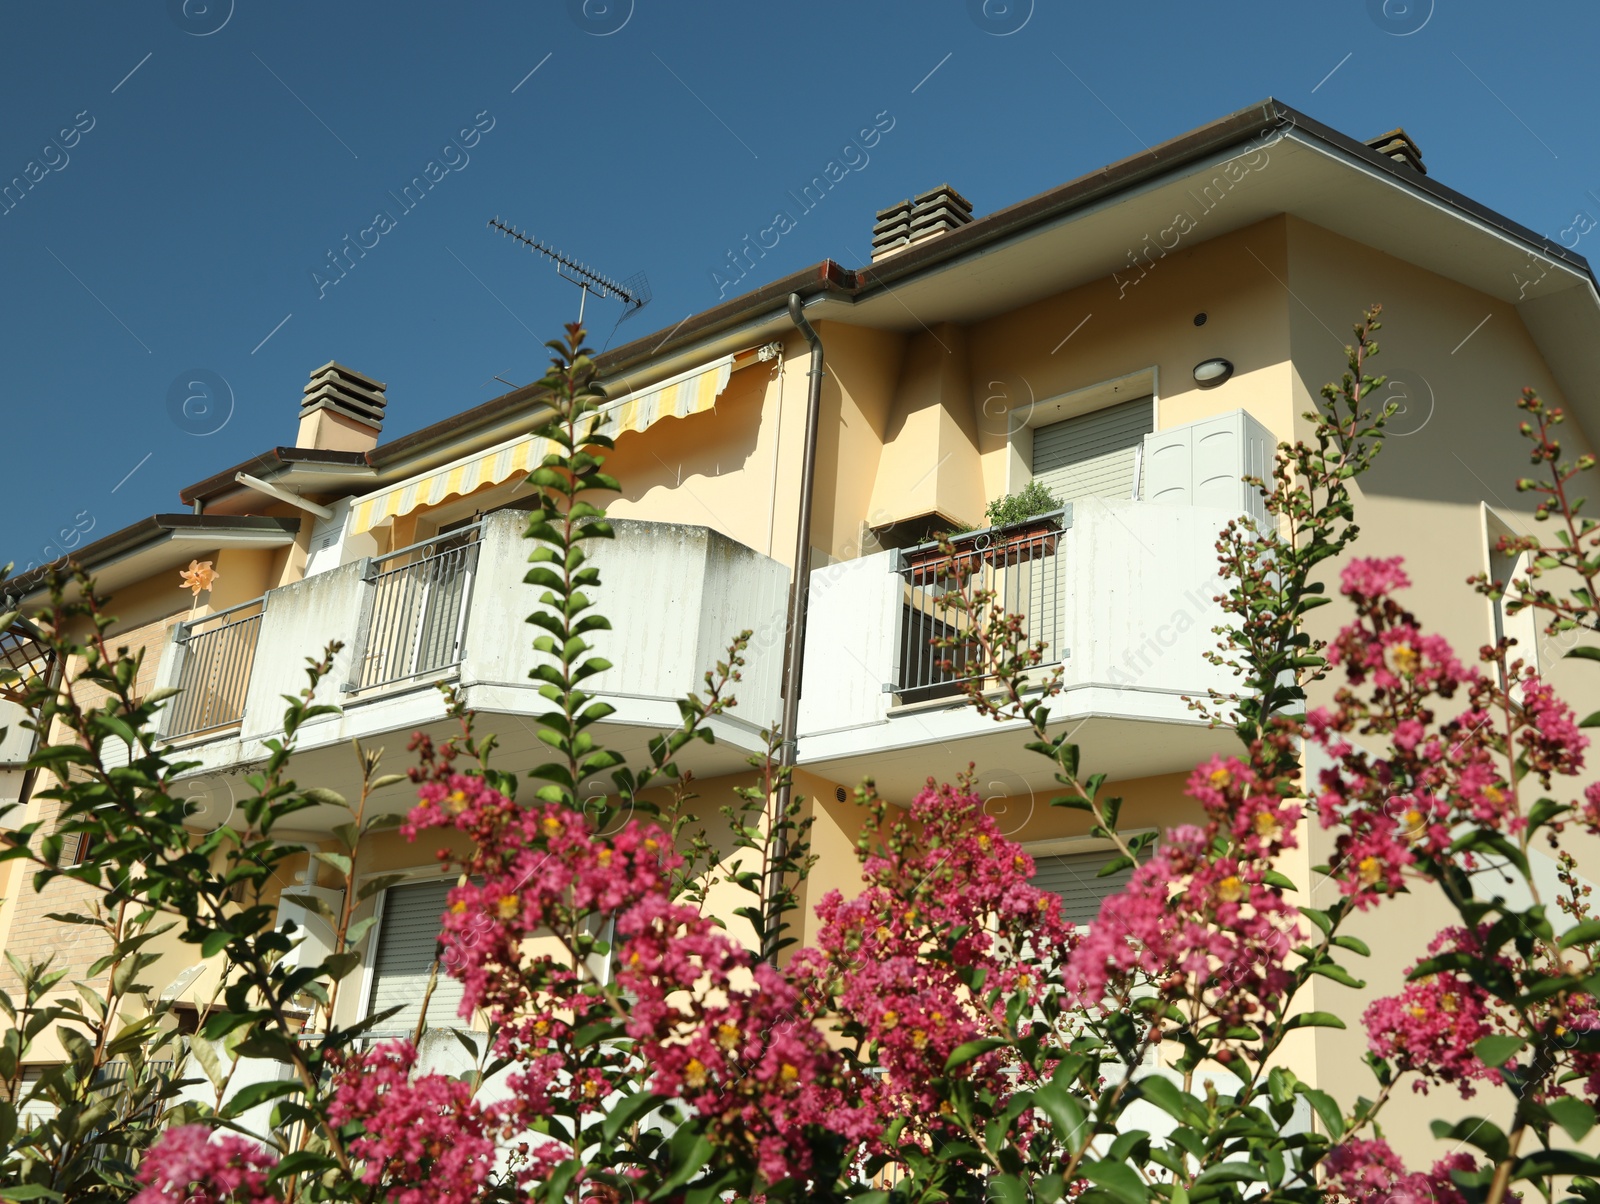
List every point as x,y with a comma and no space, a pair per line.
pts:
795,629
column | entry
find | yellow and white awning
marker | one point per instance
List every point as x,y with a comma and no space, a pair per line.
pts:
692,392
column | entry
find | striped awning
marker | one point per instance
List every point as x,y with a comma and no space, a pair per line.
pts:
679,396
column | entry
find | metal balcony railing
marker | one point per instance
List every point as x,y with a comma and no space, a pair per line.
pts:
1021,564
218,653
418,621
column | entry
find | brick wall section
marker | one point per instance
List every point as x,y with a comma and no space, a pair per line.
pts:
33,935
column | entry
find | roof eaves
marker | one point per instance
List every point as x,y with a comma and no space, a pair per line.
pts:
1429,185
824,277
265,464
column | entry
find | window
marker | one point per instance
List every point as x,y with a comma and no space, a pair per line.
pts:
1075,877
1511,569
1095,454
35,1111
408,940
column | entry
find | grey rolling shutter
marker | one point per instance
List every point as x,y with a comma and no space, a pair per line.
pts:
1092,455
1073,877
407,940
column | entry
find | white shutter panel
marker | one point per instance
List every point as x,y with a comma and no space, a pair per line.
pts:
1092,455
407,941
32,1113
1073,876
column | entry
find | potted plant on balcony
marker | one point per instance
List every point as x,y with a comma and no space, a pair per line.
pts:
1025,521
1022,526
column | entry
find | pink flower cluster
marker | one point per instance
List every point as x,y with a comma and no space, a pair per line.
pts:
727,1037
532,868
947,901
1369,1172
1550,737
1399,811
1199,925
1433,1024
426,1140
186,1165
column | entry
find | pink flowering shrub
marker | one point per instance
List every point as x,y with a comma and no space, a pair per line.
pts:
941,946
704,1024
1399,810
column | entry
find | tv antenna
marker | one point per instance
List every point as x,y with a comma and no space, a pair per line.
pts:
634,292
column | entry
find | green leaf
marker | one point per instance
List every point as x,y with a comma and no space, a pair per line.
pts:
1008,1189
1496,1050
1475,1130
1581,934
1572,1114
1313,1020
625,1113
1066,1114
215,942
689,1150
1338,973
1584,652
1230,1173
1119,1179
1164,1095
962,1054
259,1093
1327,1110
337,860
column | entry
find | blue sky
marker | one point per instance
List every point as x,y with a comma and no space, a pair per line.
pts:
194,162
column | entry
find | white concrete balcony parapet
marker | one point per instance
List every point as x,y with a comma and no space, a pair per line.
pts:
1123,592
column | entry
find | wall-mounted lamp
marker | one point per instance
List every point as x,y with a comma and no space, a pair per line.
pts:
1208,374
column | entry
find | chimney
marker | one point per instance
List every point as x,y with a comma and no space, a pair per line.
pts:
892,230
907,222
342,410
1397,144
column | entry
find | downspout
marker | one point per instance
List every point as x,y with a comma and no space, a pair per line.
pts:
795,631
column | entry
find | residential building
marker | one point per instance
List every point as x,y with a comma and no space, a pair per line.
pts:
1138,339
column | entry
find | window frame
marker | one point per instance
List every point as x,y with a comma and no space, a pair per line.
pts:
1075,403
368,945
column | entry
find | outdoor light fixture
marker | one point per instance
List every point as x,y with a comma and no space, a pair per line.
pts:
1208,374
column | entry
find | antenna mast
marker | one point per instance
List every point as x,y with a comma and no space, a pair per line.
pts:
634,292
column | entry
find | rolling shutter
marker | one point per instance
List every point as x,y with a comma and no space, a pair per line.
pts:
1093,455
407,941
1073,877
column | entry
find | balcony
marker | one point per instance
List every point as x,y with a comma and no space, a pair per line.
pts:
1121,593
215,656
452,610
